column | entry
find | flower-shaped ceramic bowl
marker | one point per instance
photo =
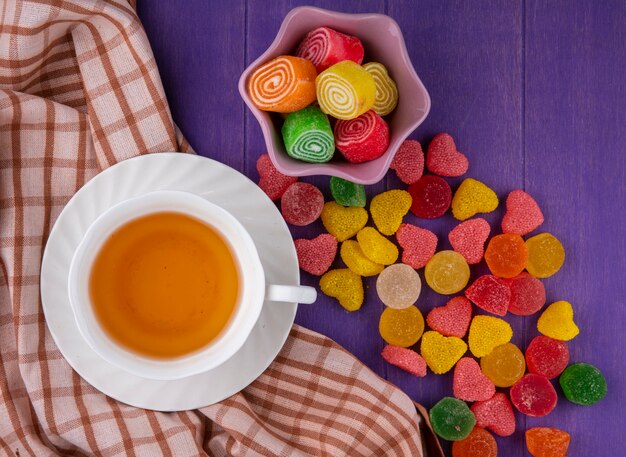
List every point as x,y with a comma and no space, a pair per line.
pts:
383,42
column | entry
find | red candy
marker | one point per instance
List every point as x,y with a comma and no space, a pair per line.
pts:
409,162
547,356
315,256
453,319
523,214
496,414
431,197
469,383
443,159
468,239
325,47
490,293
406,359
533,395
418,245
272,181
301,204
528,294
363,138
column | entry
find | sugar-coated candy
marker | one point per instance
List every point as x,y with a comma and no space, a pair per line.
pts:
451,419
528,294
401,327
479,443
447,272
473,197
355,260
441,352
347,193
486,333
406,359
545,255
583,384
398,286
363,138
345,90
505,365
533,395
468,239
418,245
301,204
386,89
547,442
506,255
272,181
283,85
409,162
453,319
469,383
325,47
308,136
316,256
557,321
376,247
547,356
442,157
342,222
431,197
523,214
490,293
495,414
388,209
345,286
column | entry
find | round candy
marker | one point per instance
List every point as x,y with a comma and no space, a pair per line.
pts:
386,89
376,247
506,255
301,204
352,255
347,193
401,327
504,365
479,443
547,356
545,255
490,293
468,239
272,181
528,294
451,419
418,245
583,384
398,286
406,359
308,136
431,197
547,442
345,90
363,138
447,272
325,47
533,395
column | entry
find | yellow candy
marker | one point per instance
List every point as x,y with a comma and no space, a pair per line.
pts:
386,89
389,208
342,222
401,327
486,333
545,255
447,272
353,257
345,286
557,321
376,247
505,365
441,353
345,90
473,197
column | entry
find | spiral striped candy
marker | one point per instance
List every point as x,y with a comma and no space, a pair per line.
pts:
283,85
362,139
308,136
345,90
326,47
386,89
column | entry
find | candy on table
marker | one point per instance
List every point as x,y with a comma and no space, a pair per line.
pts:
355,260
345,90
506,255
557,321
473,197
325,47
405,359
315,256
533,395
386,89
451,419
469,383
308,136
545,255
583,384
301,204
523,214
398,286
343,222
363,138
431,197
447,272
486,333
443,159
468,239
388,209
283,85
376,247
505,365
401,327
409,162
441,352
495,414
528,294
345,286
453,319
272,181
418,245
547,356
547,442
347,193
490,293
479,443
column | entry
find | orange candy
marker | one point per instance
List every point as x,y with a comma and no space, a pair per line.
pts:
479,443
506,255
547,442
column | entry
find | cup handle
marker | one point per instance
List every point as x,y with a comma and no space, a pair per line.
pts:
290,294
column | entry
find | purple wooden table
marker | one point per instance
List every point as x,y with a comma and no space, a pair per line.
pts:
535,94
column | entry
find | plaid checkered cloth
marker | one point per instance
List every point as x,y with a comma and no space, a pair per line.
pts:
80,91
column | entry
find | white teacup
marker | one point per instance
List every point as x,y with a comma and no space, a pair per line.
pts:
252,294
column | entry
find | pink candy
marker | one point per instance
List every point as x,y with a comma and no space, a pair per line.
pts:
409,162
443,158
496,414
469,382
523,214
316,256
272,181
301,204
453,319
528,294
468,239
325,47
406,359
418,245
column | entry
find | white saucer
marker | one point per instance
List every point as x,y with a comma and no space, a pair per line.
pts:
217,183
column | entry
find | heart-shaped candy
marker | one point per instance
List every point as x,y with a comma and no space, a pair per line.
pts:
443,159
557,321
409,162
345,286
487,332
453,319
523,214
315,256
473,197
496,414
376,247
441,352
418,245
490,293
469,383
272,181
468,239
388,209
342,222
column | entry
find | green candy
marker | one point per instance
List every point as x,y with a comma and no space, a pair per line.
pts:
451,419
583,384
308,136
347,193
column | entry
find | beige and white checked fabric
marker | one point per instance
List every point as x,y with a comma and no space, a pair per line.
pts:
80,91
